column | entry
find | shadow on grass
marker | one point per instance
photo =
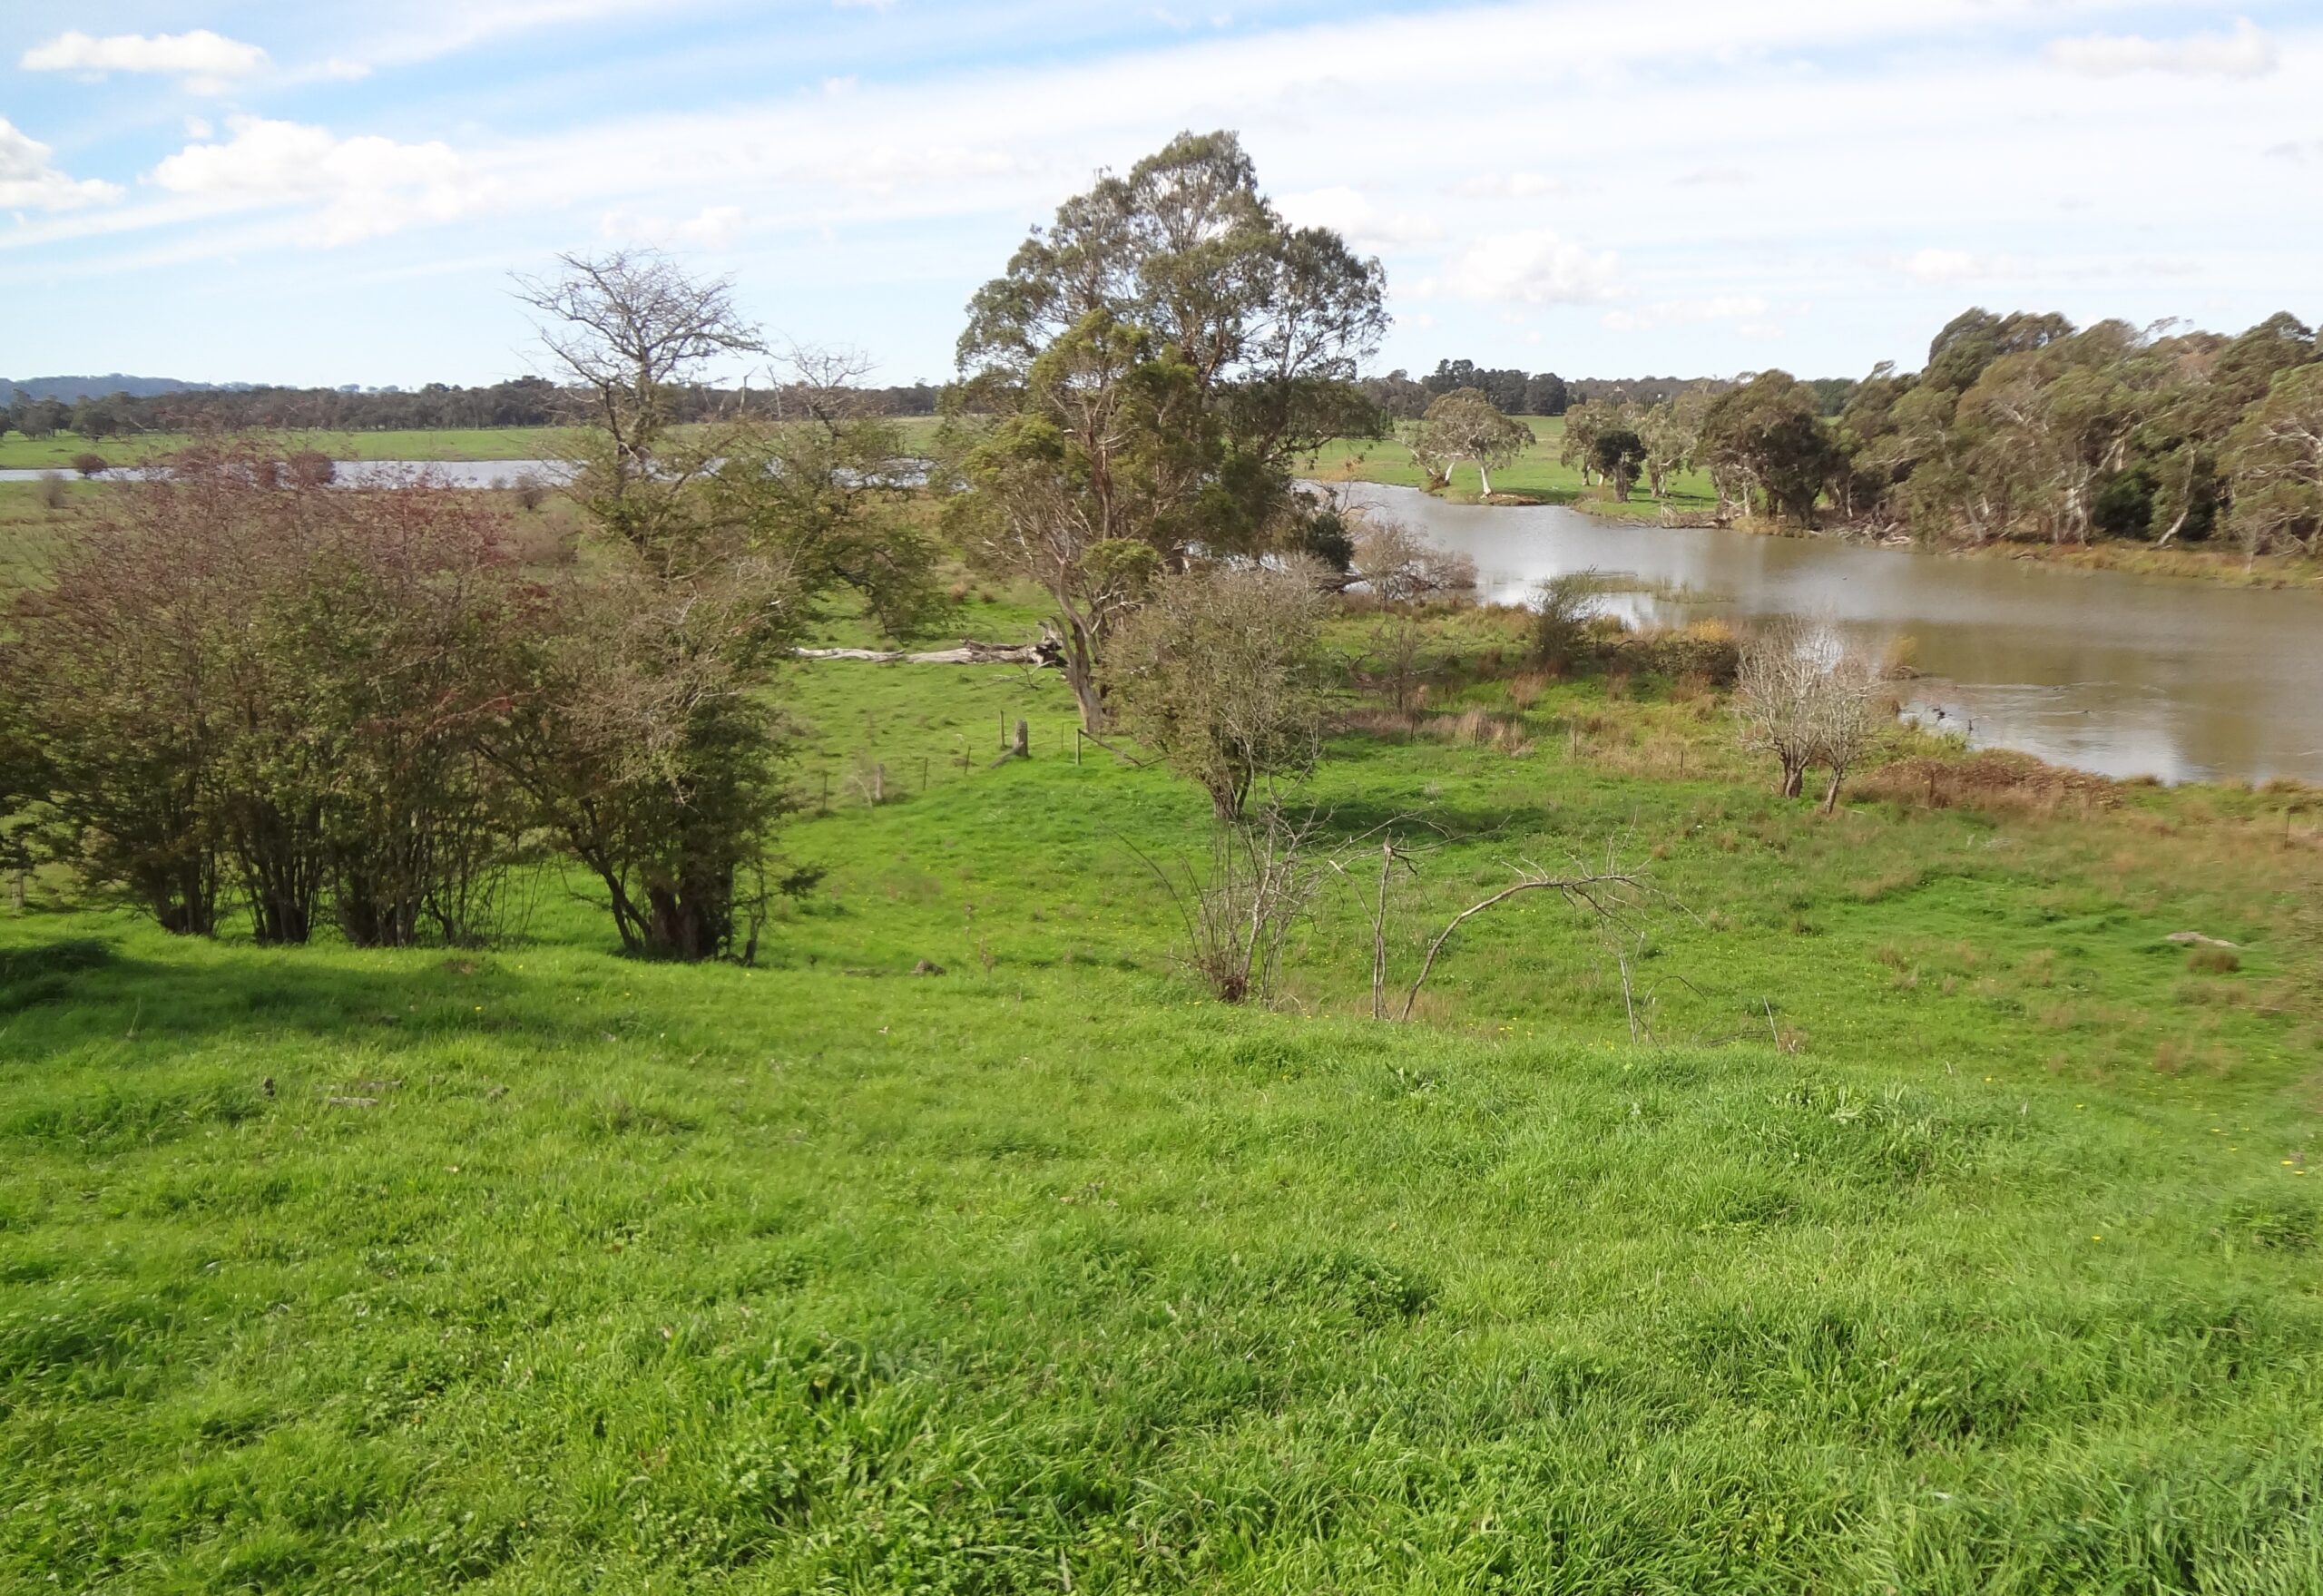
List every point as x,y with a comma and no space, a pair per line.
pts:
78,994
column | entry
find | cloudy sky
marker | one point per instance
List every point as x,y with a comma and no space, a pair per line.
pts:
306,190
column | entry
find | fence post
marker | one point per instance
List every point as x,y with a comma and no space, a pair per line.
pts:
1023,739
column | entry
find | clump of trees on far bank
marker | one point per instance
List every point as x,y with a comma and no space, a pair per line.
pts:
2018,427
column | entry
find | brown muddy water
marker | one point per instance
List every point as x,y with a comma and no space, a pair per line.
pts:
2122,675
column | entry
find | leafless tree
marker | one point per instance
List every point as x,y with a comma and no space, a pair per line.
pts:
1398,565
1240,911
628,328
1804,697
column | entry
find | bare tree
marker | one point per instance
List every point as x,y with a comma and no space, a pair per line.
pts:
628,328
1802,695
1239,912
1398,565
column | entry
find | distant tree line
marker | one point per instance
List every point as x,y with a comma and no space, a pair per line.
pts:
524,401
2020,426
1513,392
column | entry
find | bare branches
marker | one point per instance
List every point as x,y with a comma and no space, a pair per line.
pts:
1238,914
1612,895
626,327
1804,696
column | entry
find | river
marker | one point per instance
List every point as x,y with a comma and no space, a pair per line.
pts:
2122,675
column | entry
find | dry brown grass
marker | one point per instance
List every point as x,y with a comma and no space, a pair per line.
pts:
1994,783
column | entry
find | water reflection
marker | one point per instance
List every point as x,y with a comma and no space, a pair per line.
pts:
2123,675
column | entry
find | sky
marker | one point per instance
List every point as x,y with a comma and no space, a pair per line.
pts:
316,193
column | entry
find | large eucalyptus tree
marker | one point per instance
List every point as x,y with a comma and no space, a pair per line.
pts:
1156,361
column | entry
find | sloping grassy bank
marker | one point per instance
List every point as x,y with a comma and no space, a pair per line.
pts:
1951,1231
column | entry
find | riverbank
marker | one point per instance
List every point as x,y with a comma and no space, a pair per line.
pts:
2124,674
1538,478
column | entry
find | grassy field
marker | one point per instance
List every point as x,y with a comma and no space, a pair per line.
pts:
1538,477
20,453
1949,1230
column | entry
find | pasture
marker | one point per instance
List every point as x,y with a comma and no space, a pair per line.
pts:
1538,477
1941,1226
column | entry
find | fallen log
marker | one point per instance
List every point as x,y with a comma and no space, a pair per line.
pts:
969,652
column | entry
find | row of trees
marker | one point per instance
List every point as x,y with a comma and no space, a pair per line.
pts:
1514,392
2019,426
525,401
2022,426
252,690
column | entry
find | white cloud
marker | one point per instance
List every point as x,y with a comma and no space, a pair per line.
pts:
208,62
1949,266
1714,177
1351,213
2246,53
1507,185
1747,308
715,227
361,187
1535,266
29,182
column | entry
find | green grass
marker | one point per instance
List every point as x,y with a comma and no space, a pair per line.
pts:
478,443
541,1270
1537,476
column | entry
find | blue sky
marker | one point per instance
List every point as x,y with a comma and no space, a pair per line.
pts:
319,193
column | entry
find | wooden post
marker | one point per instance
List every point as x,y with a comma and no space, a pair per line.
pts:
1023,749
1076,746
1003,731
824,808
17,891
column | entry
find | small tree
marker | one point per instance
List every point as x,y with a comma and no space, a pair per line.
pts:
1561,607
648,745
1463,425
90,465
1398,565
1806,698
1618,453
1220,672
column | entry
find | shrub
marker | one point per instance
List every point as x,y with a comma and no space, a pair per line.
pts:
1562,607
311,468
1221,672
89,464
275,695
52,490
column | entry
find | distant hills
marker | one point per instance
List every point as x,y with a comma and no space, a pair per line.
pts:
74,389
